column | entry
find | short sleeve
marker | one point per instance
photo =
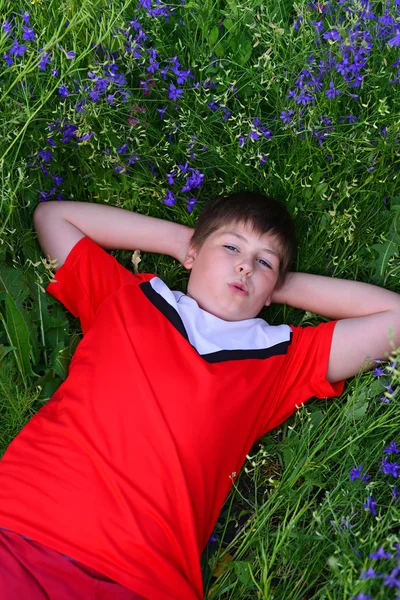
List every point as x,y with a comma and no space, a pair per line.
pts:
88,276
303,375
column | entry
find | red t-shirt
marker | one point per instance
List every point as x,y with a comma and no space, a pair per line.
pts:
127,466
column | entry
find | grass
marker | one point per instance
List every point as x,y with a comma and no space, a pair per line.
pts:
281,533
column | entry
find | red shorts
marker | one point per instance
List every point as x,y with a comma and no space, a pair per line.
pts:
30,570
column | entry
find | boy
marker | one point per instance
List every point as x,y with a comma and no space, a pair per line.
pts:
115,485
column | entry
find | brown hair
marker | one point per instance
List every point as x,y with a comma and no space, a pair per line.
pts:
263,214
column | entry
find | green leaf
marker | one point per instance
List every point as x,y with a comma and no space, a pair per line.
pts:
385,252
242,570
356,407
5,350
212,38
18,334
245,50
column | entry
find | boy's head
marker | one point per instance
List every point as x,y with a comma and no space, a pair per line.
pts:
217,257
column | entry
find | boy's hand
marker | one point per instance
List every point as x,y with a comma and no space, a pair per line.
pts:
367,312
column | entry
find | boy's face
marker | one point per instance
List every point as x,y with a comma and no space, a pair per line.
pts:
225,259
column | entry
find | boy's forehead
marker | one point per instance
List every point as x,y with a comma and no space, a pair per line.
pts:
242,228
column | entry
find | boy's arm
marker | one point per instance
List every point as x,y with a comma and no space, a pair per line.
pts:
60,225
368,312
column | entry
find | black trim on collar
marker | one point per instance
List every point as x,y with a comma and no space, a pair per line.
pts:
214,357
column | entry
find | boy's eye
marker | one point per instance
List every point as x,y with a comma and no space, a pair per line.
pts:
261,259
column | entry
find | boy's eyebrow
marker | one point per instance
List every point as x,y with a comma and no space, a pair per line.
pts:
241,237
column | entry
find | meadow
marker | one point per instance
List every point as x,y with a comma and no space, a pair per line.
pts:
159,108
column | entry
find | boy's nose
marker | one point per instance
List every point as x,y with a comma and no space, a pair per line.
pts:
244,268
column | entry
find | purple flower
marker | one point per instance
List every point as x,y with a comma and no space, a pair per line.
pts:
26,17
8,59
174,93
362,596
378,371
395,493
110,98
331,93
45,155
7,27
169,199
371,505
391,581
390,468
54,72
57,179
122,149
391,448
285,116
380,553
70,54
396,40
28,34
63,91
44,60
369,574
355,473
17,49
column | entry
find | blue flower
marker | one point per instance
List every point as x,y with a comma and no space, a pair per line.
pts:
371,505
7,27
355,473
29,34
378,371
174,93
369,574
8,59
391,448
380,553
331,93
396,40
285,116
63,91
17,49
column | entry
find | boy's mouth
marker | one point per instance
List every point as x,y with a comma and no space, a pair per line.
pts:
238,290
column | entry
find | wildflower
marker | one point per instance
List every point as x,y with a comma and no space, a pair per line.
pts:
63,91
390,468
26,17
45,155
395,493
122,149
355,473
362,596
8,59
391,448
7,27
17,49
110,98
369,574
391,581
70,54
396,40
54,72
28,34
169,199
286,116
174,93
57,179
44,60
380,553
378,371
371,505
331,93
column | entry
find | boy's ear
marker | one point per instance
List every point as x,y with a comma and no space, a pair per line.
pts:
190,258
